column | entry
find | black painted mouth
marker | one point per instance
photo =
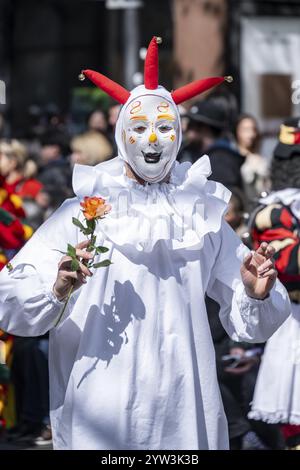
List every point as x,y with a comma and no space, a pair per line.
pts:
152,157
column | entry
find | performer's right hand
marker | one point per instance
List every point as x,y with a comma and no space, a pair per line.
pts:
67,278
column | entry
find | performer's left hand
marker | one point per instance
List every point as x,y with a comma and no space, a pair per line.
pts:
258,272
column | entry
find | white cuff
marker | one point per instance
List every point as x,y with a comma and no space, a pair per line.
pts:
262,317
53,299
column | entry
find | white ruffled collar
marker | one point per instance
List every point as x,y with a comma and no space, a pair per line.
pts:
179,212
177,175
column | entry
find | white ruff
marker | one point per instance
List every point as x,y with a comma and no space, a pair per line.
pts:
181,212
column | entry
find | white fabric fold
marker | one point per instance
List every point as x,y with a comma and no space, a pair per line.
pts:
26,290
277,390
181,212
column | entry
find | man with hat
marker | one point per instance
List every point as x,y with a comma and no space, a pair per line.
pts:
207,132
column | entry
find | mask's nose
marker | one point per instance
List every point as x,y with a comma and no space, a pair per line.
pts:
152,138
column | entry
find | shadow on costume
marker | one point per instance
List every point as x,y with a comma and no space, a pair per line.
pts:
163,261
107,327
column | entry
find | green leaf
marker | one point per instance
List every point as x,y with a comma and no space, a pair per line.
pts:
71,251
78,224
74,265
103,264
91,224
91,248
101,249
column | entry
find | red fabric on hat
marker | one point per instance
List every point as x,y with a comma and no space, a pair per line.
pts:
195,88
297,137
151,66
110,87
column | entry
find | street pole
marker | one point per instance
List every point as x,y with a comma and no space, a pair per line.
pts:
130,36
131,45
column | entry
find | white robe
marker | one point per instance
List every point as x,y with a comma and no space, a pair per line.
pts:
132,363
277,389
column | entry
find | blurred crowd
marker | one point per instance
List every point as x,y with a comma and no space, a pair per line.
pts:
36,177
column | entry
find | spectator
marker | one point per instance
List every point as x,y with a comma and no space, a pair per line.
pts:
255,169
97,121
90,148
236,212
55,170
31,382
207,133
113,114
3,127
17,170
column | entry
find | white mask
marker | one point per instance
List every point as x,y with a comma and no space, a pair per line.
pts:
150,135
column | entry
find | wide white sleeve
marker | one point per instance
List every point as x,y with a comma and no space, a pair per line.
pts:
244,318
27,305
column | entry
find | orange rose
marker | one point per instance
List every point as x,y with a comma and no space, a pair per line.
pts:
94,207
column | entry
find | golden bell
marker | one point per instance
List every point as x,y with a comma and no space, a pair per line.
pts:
158,40
228,79
81,77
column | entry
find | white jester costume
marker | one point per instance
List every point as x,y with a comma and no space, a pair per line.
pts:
132,362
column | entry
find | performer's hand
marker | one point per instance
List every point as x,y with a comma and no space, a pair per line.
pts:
258,272
67,278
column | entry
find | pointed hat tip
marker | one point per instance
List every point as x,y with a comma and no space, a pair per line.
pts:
228,78
110,87
151,64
